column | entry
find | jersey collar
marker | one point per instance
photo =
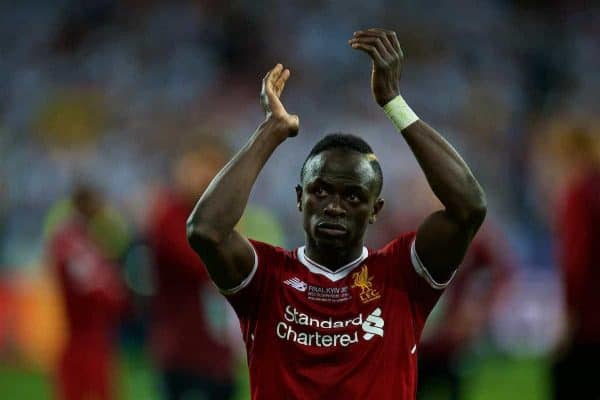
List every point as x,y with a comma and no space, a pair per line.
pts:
333,276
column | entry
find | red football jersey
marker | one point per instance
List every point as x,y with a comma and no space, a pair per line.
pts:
578,243
312,333
94,299
185,333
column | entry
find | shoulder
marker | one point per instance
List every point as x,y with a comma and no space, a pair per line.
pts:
397,247
268,261
267,253
401,255
394,258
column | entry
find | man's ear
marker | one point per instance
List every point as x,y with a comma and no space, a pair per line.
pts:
299,197
376,209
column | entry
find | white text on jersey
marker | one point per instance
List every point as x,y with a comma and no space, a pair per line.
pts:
372,326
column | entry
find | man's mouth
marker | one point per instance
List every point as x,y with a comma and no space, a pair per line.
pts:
331,229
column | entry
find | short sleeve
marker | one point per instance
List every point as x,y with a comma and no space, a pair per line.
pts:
246,298
423,290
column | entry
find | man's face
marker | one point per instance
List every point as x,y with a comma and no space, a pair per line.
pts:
87,202
194,171
338,198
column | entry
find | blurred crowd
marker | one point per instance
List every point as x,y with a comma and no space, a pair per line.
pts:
135,104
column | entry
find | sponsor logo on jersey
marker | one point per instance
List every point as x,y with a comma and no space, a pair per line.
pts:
344,333
373,325
364,282
297,284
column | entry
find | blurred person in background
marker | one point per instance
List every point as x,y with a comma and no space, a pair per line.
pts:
189,326
464,312
462,315
578,244
94,299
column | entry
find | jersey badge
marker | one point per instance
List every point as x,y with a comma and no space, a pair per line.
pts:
364,282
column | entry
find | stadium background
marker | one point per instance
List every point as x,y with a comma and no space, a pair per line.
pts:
113,91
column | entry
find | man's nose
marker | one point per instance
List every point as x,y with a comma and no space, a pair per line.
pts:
334,208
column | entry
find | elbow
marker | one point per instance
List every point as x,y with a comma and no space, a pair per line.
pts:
473,209
477,210
200,234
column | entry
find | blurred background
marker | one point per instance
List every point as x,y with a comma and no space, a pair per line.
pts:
114,115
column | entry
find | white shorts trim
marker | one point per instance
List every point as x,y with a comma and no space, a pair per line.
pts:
423,272
246,280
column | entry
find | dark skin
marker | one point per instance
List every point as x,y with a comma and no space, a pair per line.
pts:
334,220
443,238
338,200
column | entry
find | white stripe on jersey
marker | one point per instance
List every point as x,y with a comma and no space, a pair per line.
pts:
423,272
333,276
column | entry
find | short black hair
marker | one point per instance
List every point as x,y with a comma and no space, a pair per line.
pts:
347,142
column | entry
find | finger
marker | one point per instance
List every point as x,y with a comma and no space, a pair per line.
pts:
391,36
385,39
285,74
277,69
275,73
370,32
394,39
370,50
381,30
280,84
377,43
382,34
264,91
274,104
273,100
266,78
266,82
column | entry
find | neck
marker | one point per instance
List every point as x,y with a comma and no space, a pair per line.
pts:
332,257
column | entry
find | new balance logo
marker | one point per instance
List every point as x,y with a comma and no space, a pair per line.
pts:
373,325
297,284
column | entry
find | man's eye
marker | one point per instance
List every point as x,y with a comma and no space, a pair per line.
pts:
353,198
320,192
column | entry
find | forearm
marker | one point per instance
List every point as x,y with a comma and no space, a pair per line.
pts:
224,201
447,173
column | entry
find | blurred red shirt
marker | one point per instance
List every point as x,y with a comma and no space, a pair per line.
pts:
579,252
189,324
93,299
469,301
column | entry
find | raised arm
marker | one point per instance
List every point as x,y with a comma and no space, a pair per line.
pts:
227,255
444,236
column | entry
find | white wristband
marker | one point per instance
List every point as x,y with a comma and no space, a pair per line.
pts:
400,113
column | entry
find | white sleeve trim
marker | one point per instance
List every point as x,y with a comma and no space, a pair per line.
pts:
423,272
246,280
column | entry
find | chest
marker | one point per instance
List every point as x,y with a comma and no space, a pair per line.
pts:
365,307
